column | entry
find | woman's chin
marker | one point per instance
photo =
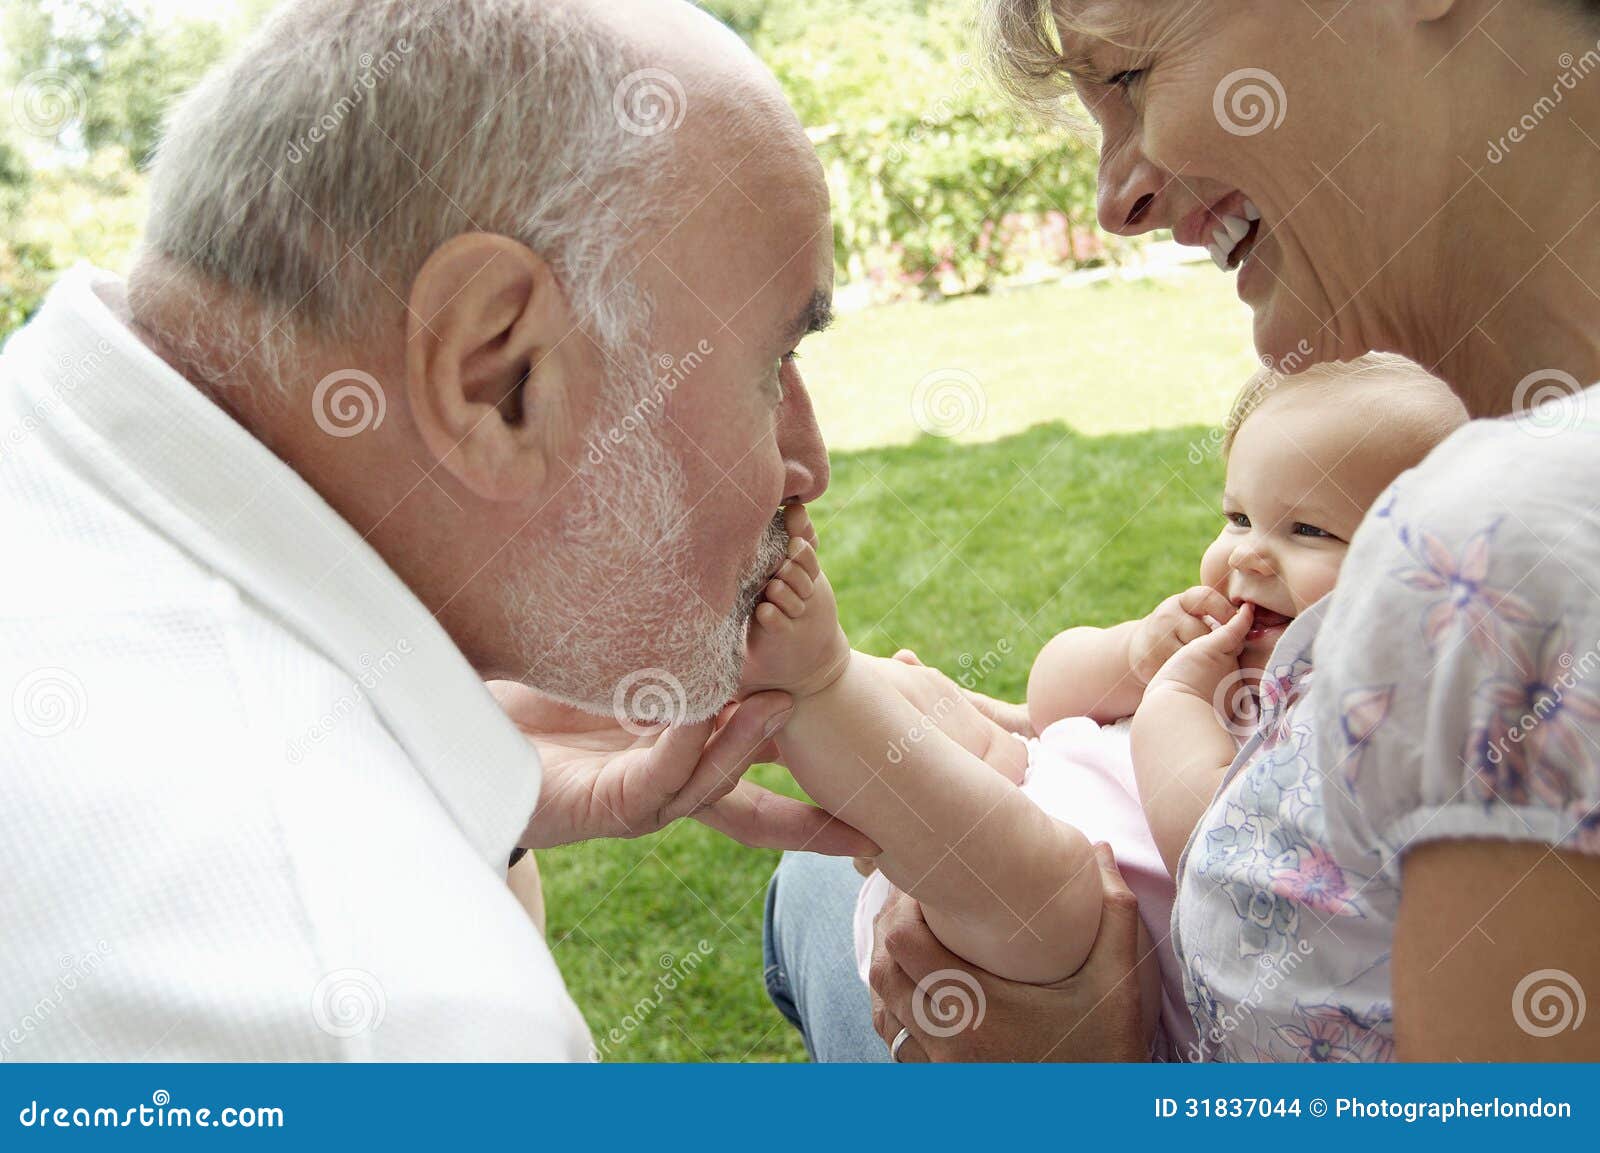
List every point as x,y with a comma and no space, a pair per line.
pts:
1280,340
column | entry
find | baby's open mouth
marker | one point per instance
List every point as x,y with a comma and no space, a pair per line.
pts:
1265,621
1234,238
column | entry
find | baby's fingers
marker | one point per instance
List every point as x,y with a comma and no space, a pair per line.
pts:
1230,636
1203,601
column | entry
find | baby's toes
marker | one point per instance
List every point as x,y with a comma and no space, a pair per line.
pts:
796,578
770,618
779,593
803,554
798,523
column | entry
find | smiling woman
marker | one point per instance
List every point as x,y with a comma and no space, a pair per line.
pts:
1426,714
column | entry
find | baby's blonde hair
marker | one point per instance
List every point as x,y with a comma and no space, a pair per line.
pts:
1410,395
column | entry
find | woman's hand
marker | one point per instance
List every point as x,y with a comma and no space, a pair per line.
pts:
1093,1015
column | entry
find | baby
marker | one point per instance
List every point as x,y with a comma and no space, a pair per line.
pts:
1005,875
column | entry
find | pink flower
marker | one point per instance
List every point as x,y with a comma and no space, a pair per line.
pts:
1316,881
1469,602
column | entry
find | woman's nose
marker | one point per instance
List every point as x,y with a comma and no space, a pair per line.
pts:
1130,187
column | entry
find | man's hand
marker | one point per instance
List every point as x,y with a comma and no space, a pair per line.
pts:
1093,1015
602,781
1171,625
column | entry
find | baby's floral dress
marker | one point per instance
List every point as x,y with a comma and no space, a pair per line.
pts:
1448,688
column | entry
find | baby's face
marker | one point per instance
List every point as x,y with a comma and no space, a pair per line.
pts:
1302,472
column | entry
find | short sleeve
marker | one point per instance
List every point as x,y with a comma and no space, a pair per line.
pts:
1457,687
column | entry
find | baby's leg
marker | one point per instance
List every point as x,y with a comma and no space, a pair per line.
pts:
1002,883
942,703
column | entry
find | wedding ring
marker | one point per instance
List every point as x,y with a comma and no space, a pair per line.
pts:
900,1039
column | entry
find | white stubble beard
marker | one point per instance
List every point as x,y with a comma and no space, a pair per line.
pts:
615,610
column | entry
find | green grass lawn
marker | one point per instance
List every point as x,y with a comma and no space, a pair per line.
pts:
957,548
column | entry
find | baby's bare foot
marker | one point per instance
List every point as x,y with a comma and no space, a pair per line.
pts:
795,642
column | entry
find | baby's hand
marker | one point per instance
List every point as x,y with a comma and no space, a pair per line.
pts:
1203,666
795,642
1172,624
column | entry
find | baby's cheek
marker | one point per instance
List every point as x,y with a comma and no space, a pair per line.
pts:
1214,566
1318,577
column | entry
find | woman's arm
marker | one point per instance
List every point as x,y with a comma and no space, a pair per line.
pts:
1496,945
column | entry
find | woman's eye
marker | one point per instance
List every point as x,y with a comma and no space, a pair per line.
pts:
1125,78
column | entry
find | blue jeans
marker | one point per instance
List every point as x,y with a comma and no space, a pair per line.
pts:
811,959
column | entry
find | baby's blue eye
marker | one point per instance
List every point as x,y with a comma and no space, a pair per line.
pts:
1237,519
1311,530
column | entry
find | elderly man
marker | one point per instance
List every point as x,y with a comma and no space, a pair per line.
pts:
460,347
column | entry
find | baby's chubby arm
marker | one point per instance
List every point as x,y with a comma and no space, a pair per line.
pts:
1102,673
1002,883
1180,740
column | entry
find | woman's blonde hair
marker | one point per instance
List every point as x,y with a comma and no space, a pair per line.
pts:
1023,50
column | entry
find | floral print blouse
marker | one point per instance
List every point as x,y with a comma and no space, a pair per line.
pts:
1448,688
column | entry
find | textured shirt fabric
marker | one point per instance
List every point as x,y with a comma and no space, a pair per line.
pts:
255,803
1449,688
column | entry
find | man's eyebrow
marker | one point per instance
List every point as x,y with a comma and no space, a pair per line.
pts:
814,317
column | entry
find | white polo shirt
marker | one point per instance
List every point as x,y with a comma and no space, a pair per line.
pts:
254,804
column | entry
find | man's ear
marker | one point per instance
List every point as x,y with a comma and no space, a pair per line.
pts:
487,388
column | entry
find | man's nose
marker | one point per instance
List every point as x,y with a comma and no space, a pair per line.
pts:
805,456
1130,187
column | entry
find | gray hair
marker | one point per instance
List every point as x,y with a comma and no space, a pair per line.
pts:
347,139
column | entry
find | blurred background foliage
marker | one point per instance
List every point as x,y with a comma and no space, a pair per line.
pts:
938,188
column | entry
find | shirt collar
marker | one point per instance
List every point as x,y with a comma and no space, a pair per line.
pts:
138,430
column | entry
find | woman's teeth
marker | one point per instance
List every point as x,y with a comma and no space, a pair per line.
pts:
1227,237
